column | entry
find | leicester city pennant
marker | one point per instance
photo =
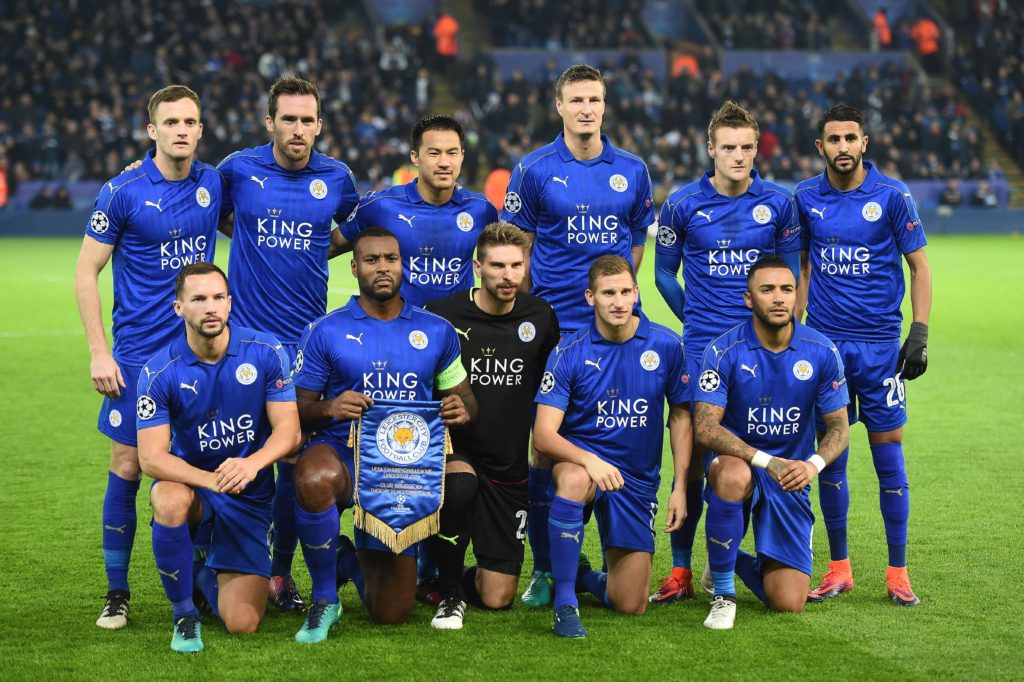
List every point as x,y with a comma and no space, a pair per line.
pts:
400,449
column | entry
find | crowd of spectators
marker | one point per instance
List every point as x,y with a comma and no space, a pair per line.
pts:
75,75
913,133
780,25
989,65
568,24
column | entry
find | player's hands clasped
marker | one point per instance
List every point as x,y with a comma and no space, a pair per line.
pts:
106,375
235,473
795,474
349,405
603,474
453,411
676,509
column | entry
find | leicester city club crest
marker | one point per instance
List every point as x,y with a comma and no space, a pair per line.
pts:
803,370
246,373
418,339
203,197
464,222
403,437
318,188
650,360
527,332
762,214
872,211
618,182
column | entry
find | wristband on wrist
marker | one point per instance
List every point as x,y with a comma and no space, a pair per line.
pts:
760,460
817,461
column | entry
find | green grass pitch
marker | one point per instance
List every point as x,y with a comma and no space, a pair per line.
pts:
964,458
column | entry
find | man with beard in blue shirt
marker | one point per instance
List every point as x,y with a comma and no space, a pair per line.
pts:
761,385
216,409
858,227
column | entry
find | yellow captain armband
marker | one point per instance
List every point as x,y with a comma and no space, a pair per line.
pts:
451,376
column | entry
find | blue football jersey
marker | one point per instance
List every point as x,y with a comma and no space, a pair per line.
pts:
770,398
436,242
217,411
401,359
281,238
856,241
717,238
578,210
613,394
156,227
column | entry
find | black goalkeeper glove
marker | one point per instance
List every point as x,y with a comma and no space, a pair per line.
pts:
913,359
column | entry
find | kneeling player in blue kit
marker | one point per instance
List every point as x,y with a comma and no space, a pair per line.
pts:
760,386
601,418
216,409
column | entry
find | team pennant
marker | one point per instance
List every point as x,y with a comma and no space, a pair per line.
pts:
400,449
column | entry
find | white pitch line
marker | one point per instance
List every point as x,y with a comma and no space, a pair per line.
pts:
40,334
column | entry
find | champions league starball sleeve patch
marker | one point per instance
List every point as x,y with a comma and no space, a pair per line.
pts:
400,449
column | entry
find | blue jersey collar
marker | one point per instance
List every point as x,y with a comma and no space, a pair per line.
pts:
870,180
756,184
607,151
413,194
753,343
267,157
358,313
183,350
154,174
643,330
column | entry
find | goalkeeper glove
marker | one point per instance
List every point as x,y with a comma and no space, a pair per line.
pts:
913,359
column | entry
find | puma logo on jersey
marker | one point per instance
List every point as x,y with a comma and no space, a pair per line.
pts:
572,536
706,215
192,387
595,364
820,212
116,529
401,216
357,339
326,545
453,540
156,205
172,576
565,182
464,334
719,542
258,181
752,370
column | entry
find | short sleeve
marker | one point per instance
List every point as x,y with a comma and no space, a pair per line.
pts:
787,227
713,382
670,235
312,363
355,222
450,372
152,407
642,215
905,222
108,217
349,198
278,386
556,384
832,390
522,200
679,387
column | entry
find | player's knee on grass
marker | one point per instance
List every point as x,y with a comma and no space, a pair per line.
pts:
629,580
171,503
730,478
785,587
124,461
572,482
495,590
241,601
321,480
241,620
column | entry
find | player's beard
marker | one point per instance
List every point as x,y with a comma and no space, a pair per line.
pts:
368,289
853,166
207,333
769,322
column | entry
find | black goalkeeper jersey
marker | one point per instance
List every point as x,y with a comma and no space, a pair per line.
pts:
504,356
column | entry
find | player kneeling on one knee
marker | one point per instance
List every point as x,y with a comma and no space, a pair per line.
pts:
226,396
600,417
760,385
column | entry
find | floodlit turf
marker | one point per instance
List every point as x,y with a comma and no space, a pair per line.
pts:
964,454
